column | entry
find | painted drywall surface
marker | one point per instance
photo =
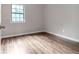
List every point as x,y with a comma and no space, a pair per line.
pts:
58,19
62,20
33,20
0,29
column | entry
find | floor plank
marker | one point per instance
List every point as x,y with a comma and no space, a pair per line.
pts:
41,43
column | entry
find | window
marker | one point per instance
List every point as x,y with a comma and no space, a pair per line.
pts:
17,13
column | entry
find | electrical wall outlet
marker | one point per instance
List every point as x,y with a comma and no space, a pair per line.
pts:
63,30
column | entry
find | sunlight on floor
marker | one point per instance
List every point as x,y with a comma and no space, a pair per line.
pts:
17,48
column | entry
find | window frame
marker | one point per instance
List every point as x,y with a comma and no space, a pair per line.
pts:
18,13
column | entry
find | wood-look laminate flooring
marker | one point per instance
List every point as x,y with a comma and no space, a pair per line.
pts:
41,43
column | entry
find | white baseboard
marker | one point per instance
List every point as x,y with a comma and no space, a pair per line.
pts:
69,38
43,31
20,34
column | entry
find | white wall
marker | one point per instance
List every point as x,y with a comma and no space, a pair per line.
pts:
0,30
59,18
50,18
33,17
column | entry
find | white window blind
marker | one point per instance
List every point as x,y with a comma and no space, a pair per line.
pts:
17,13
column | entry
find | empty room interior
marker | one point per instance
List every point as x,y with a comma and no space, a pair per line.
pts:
39,28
